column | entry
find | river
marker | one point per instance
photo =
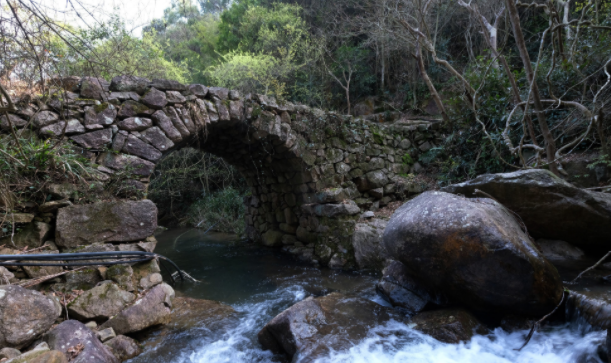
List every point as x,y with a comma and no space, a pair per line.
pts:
259,283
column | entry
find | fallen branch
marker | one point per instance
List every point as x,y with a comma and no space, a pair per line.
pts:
40,280
589,268
537,323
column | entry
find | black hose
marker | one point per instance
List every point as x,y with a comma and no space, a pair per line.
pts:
128,257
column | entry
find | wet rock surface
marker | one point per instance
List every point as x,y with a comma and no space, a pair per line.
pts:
473,251
550,207
448,325
24,315
402,290
190,319
314,326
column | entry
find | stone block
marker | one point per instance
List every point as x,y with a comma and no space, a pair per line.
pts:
105,222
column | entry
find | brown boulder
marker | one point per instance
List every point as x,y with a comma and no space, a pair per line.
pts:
24,315
550,207
473,251
315,326
100,303
120,221
70,334
152,309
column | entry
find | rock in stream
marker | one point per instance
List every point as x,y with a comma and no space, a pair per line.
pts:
473,251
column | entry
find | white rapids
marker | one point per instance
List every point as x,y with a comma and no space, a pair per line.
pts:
396,342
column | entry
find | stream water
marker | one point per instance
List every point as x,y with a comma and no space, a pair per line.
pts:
259,283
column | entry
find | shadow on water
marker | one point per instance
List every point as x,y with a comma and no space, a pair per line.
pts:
259,283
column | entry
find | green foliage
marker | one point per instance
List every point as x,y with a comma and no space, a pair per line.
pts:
222,211
601,160
188,37
252,73
182,176
229,28
268,48
354,60
28,163
108,50
407,159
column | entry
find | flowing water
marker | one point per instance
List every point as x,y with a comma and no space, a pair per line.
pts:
259,283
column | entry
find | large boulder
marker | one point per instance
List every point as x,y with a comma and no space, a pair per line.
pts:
152,309
315,326
100,303
475,252
402,290
105,222
24,315
79,343
550,207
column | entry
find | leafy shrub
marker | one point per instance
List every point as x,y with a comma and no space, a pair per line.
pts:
221,211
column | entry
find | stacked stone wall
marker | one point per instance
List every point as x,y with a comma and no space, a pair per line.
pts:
310,173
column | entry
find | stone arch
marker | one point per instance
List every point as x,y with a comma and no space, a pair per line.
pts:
310,173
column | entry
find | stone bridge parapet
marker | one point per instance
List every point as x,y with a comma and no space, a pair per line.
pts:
311,173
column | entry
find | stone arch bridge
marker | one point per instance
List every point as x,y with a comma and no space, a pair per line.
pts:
311,174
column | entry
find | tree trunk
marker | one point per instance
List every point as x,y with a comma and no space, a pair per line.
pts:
429,83
550,144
